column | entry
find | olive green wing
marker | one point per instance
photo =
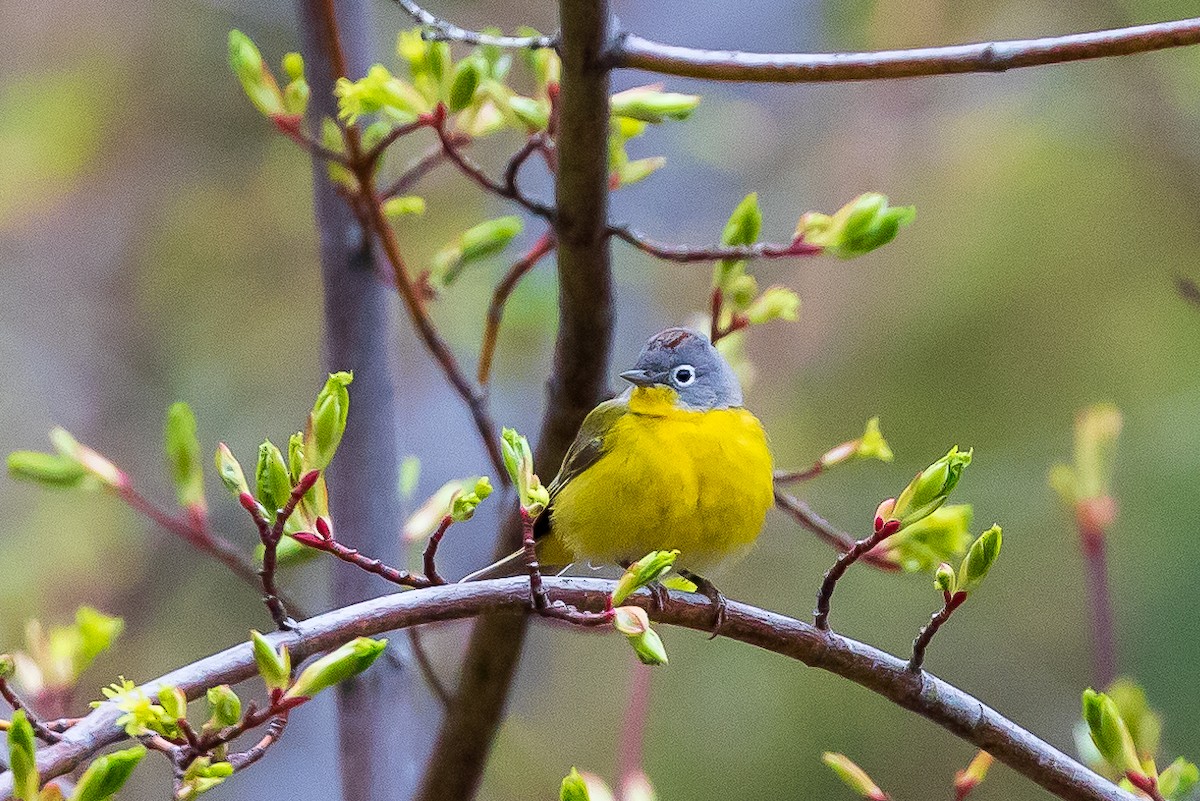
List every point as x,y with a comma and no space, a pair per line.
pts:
585,451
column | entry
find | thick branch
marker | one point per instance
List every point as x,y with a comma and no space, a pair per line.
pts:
955,710
723,65
578,378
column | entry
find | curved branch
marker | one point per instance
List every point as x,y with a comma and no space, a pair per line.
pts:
440,30
953,709
723,65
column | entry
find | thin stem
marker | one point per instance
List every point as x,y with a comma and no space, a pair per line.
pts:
495,314
266,573
427,667
807,474
39,728
373,155
956,711
631,747
921,643
415,172
686,254
430,554
804,514
274,732
289,126
537,142
375,566
834,574
441,30
475,400
723,65
1090,520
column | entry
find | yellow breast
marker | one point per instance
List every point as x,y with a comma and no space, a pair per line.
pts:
670,478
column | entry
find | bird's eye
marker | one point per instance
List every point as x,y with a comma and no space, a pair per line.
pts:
683,375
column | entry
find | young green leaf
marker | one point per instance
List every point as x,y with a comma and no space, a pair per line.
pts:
107,775
183,455
349,660
21,758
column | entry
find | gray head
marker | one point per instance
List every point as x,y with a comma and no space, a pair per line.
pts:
687,362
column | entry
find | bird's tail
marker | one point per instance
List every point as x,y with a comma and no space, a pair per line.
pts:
511,565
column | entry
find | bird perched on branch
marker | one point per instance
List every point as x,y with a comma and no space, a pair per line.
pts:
675,462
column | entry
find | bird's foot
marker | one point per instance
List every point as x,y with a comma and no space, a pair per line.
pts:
710,591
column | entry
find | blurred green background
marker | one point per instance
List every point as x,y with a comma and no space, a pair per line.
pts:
156,244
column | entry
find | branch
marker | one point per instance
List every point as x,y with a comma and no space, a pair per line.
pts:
883,530
925,636
686,254
10,697
953,709
495,313
722,65
441,30
578,376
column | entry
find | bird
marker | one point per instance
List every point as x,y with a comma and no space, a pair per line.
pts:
676,462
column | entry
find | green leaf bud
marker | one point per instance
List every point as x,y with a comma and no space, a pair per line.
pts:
173,702
327,421
183,455
351,659
632,172
477,242
941,536
464,505
225,708
272,482
944,579
862,225
535,114
648,648
980,558
573,788
293,66
648,569
1176,782
105,777
649,104
95,464
854,777
95,632
463,83
379,91
743,228
21,758
872,445
258,83
1144,723
404,206
777,303
8,666
1096,432
632,621
518,460
201,776
932,486
428,517
230,471
49,469
275,667
1109,733
295,97
296,456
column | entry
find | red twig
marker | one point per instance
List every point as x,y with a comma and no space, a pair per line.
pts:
535,143
921,643
491,330
377,150
290,126
806,474
1147,784
883,530
537,590
415,172
256,752
1092,518
396,576
270,534
430,554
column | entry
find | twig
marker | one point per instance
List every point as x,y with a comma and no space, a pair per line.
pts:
537,142
415,172
540,598
685,254
1092,517
377,150
921,643
806,474
427,667
441,30
430,555
350,555
270,534
289,126
722,65
39,728
956,711
804,514
246,758
883,530
495,314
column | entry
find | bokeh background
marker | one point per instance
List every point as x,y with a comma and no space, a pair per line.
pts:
156,243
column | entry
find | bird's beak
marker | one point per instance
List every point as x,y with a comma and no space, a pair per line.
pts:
640,378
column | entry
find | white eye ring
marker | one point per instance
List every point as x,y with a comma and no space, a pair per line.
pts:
684,375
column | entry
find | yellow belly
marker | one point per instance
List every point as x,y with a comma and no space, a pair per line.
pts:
697,481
